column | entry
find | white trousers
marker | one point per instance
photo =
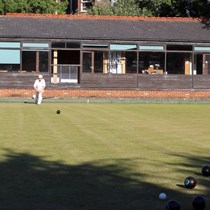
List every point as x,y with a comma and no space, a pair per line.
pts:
38,99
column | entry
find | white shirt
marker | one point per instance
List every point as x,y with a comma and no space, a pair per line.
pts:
39,85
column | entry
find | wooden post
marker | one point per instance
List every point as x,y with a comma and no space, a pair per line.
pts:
105,62
55,67
37,61
188,67
123,62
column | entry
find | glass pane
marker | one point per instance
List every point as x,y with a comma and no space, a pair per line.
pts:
9,67
73,45
151,47
115,63
131,62
10,44
179,47
202,48
122,47
98,62
10,56
36,45
86,62
179,63
151,62
29,61
58,45
43,61
198,65
68,74
95,46
208,63
68,57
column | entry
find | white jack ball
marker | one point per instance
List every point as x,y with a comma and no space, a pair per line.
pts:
162,196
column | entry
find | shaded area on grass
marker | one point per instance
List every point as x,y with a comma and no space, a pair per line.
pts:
191,166
30,182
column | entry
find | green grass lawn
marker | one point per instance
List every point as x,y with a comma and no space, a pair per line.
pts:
102,156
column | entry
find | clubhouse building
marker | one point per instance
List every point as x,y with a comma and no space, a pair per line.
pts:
93,55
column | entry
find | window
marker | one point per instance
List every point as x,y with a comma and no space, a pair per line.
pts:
151,47
65,45
9,56
151,61
85,5
58,45
35,61
123,47
95,46
179,47
202,48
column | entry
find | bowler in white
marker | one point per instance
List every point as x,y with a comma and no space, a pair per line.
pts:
39,86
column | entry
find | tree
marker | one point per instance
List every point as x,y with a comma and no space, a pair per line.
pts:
172,8
185,8
119,8
1,7
48,7
33,6
154,7
102,7
126,8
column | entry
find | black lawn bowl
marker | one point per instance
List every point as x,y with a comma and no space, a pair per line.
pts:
173,205
58,112
206,171
199,203
190,182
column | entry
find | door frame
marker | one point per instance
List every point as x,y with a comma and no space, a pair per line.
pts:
206,62
91,60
